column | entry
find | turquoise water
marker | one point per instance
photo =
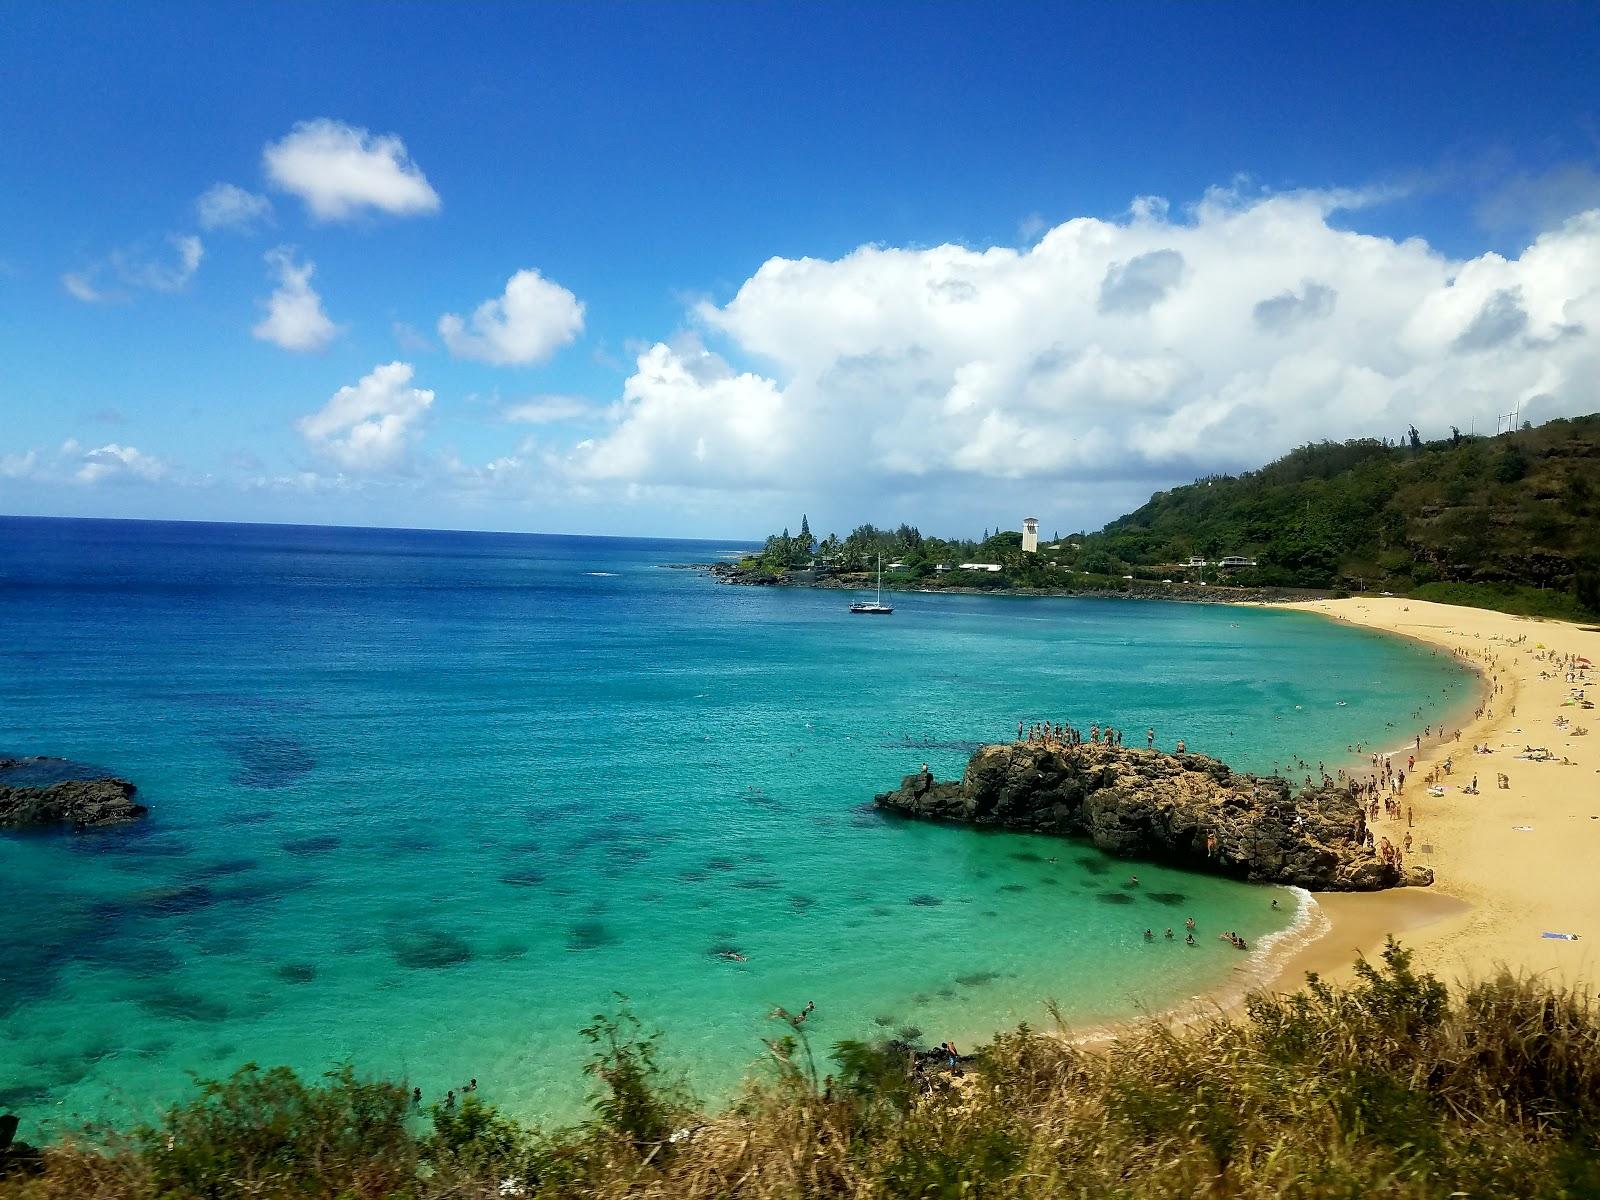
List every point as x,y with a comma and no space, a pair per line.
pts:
424,801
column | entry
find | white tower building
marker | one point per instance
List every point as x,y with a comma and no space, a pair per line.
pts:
1030,535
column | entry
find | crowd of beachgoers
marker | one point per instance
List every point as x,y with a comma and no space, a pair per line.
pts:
1457,792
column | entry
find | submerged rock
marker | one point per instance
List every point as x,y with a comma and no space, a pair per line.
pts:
1184,809
83,803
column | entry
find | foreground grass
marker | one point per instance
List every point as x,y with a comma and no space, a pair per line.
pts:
1391,1087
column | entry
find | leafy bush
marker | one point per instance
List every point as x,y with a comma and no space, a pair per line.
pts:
635,1099
271,1134
472,1140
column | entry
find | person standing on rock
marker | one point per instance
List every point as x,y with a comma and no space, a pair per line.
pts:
1150,738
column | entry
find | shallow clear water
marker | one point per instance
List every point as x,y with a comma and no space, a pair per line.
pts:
424,801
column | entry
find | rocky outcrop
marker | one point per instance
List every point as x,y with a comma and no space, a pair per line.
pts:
82,803
1184,809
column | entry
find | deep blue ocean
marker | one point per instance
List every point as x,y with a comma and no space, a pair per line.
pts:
425,801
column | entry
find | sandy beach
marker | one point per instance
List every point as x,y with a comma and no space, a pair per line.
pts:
1511,864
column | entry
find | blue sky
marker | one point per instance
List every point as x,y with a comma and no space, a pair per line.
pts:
939,263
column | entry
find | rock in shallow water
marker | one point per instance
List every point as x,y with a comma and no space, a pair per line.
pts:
83,803
1184,809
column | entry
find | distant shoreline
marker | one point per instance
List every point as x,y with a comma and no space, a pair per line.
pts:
732,575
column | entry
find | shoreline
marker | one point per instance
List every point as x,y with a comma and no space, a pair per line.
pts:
1499,886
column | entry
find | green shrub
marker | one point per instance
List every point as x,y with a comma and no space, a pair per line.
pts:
473,1141
635,1098
270,1134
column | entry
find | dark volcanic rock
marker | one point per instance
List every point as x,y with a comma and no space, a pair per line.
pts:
1145,804
79,802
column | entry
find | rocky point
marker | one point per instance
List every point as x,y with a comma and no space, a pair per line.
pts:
1186,810
82,803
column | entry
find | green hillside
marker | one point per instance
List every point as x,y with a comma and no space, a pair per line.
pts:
1507,522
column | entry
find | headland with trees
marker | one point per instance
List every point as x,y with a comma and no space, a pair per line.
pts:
1510,522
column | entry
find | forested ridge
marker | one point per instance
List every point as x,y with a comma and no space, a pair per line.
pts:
1465,516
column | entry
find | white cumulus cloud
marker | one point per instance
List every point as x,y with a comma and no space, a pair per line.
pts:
368,427
340,171
1107,354
687,417
228,206
115,463
294,319
526,324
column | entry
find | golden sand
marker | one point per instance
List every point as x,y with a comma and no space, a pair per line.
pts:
1510,864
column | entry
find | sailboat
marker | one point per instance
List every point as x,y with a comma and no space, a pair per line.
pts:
879,608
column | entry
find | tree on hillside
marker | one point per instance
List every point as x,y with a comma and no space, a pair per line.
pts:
1513,464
